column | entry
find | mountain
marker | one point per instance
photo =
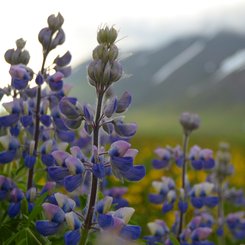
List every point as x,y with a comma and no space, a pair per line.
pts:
195,72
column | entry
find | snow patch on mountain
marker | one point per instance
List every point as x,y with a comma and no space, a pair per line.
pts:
185,56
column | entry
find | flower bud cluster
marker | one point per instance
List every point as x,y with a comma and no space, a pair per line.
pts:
105,68
53,35
189,122
18,55
224,167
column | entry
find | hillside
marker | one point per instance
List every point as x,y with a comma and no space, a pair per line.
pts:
194,73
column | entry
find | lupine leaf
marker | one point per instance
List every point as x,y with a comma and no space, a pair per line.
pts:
37,207
173,239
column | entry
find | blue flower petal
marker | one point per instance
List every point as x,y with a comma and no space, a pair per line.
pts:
131,232
125,129
135,173
156,198
59,124
47,228
105,221
48,159
66,136
58,173
55,85
197,164
46,120
220,231
158,164
14,209
19,83
122,163
72,237
68,108
209,164
124,102
197,202
15,130
29,161
99,170
72,182
7,156
167,207
26,120
183,206
120,202
211,201
9,120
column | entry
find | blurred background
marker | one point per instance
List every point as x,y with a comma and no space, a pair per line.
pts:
177,56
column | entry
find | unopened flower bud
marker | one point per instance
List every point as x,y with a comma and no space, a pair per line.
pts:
8,56
98,71
20,43
107,73
107,35
116,71
55,22
102,36
113,52
24,57
112,35
189,122
98,52
44,37
58,40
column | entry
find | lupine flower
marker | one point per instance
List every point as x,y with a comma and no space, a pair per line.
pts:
201,195
20,76
159,231
74,224
31,195
104,205
11,145
117,193
197,231
6,185
16,195
236,224
55,212
166,156
68,171
121,159
201,158
162,189
117,221
123,102
56,217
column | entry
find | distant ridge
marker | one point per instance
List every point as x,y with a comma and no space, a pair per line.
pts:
185,73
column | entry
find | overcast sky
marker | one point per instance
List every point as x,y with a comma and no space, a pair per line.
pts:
141,23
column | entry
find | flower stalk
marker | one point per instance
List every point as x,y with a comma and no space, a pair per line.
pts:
94,186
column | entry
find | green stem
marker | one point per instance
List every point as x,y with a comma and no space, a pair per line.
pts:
221,240
184,172
93,190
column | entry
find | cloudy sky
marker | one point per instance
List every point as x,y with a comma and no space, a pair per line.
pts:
142,24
